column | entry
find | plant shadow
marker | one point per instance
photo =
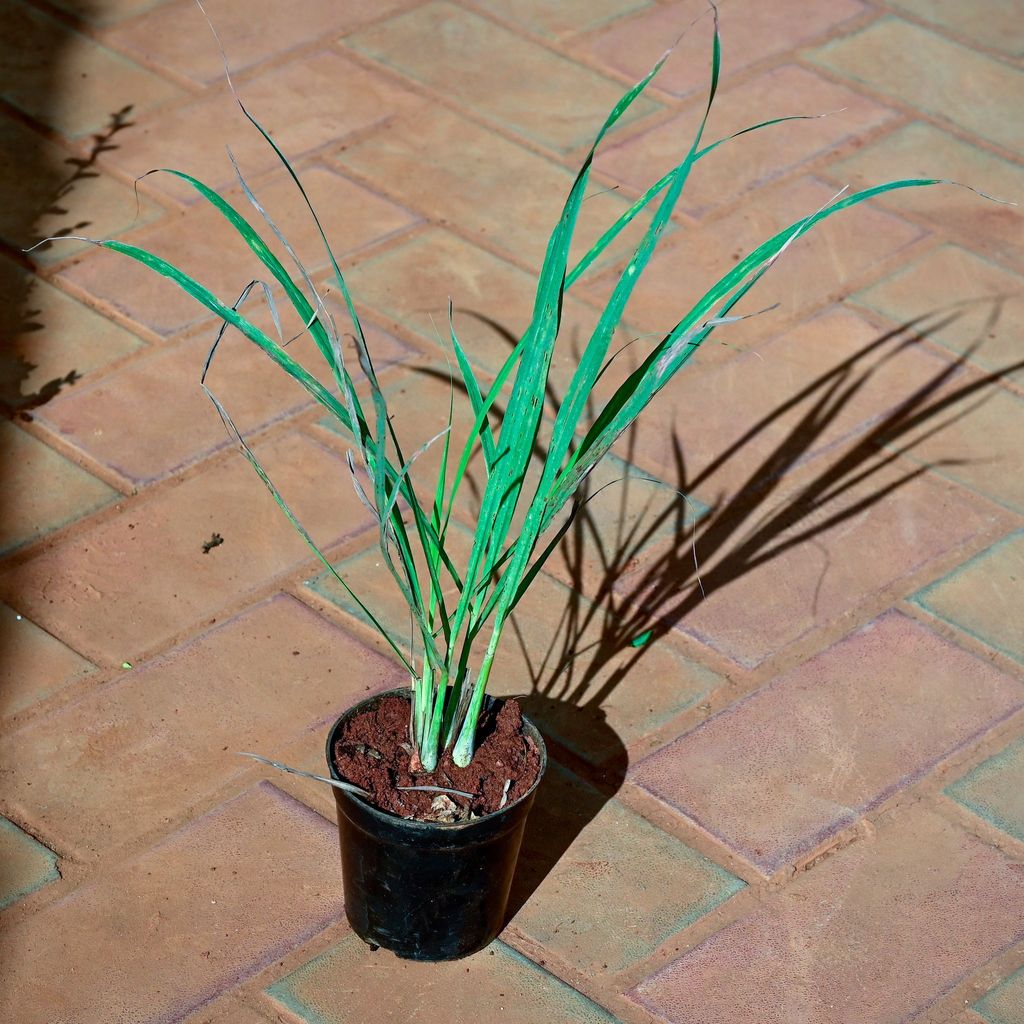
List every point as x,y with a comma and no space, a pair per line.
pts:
21,316
761,521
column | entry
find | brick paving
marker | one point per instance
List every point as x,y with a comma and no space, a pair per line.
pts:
801,802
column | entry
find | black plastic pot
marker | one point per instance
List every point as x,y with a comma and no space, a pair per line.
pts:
425,890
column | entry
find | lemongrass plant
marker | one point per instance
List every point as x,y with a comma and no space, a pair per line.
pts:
459,637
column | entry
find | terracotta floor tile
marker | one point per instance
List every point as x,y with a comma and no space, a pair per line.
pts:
228,1011
418,403
814,268
952,81
253,683
456,172
779,773
35,664
995,790
521,86
133,583
28,865
794,561
986,300
875,933
972,438
498,982
744,164
305,104
92,81
198,241
374,585
42,203
918,148
567,18
191,918
751,31
410,283
1000,29
621,887
983,596
31,511
589,688
1005,1003
175,38
174,423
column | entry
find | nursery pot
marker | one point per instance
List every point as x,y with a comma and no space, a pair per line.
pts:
423,889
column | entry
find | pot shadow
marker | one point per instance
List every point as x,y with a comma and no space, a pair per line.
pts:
760,522
566,801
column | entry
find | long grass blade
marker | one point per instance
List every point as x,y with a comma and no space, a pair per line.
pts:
522,418
627,216
336,783
419,517
300,529
637,391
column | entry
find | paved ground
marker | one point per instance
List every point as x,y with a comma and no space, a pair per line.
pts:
802,800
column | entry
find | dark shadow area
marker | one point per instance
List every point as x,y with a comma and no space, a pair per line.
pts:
40,194
565,804
734,538
20,316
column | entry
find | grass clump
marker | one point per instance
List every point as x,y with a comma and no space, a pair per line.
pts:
459,611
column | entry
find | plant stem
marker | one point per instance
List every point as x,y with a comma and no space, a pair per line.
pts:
430,749
465,745
420,705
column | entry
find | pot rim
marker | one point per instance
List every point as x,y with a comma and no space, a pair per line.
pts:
386,816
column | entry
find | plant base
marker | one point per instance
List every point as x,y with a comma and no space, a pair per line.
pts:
372,751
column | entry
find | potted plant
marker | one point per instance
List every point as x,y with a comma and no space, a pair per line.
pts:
430,817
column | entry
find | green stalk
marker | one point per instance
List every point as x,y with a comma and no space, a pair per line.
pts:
430,754
465,745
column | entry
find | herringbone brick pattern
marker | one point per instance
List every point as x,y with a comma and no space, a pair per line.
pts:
801,802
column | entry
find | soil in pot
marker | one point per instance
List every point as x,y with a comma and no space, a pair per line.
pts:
372,751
